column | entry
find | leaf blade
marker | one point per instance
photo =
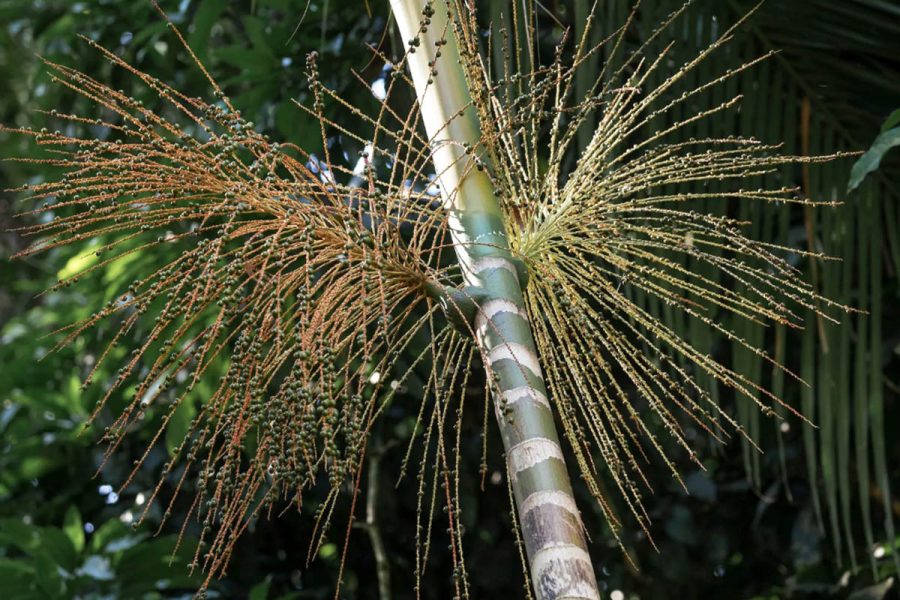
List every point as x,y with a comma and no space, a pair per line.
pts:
869,161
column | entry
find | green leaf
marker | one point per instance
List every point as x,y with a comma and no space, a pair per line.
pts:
295,126
260,591
49,578
56,545
10,567
204,19
148,33
179,425
255,65
328,551
113,531
154,561
892,121
16,533
74,528
260,38
33,467
869,161
77,264
18,579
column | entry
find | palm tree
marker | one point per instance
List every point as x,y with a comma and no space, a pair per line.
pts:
567,220
494,279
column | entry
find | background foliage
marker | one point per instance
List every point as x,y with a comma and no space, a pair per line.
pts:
811,517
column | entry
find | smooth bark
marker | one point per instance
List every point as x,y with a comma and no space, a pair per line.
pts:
551,524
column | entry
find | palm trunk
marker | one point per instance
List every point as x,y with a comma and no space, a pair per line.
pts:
551,525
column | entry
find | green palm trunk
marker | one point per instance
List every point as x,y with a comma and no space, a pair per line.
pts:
551,525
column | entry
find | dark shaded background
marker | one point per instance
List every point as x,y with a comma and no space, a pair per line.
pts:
751,526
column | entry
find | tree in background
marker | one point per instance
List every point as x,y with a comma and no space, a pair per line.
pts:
320,284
